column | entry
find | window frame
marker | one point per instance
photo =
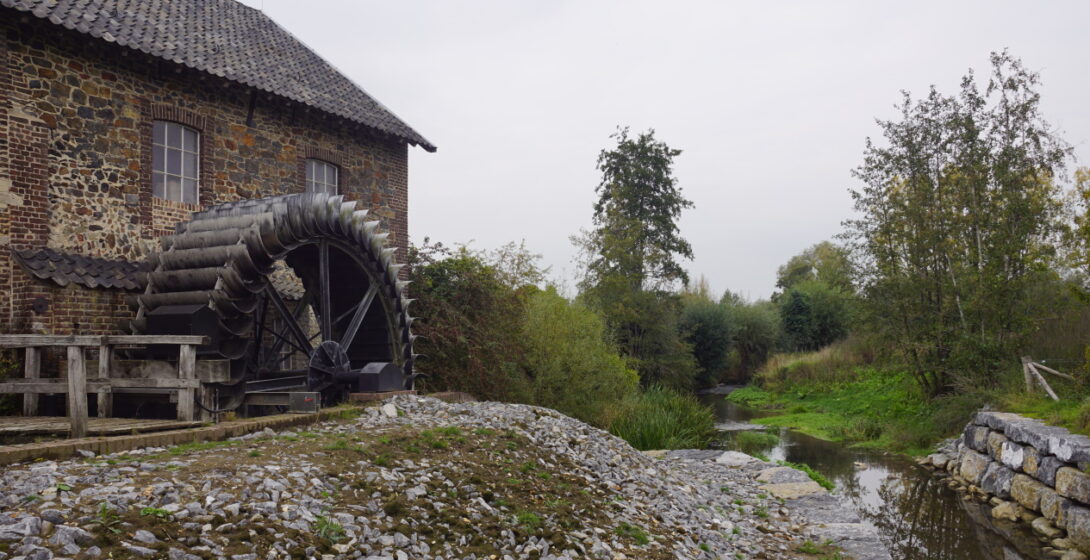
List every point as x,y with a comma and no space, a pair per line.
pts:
326,165
188,156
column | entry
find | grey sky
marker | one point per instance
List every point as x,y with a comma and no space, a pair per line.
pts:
770,101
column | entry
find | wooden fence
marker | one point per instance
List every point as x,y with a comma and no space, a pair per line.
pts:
76,385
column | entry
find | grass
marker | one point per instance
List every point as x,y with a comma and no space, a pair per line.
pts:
328,529
814,475
749,441
659,418
633,532
841,393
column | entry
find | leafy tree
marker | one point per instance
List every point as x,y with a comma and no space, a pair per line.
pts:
757,332
957,210
632,256
815,314
635,218
824,262
707,327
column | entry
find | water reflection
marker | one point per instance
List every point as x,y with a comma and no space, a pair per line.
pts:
916,514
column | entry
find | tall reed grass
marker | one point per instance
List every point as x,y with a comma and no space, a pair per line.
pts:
659,418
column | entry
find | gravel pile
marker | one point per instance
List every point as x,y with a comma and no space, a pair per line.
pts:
415,478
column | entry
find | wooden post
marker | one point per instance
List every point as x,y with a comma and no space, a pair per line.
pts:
105,396
1025,373
77,392
32,369
187,369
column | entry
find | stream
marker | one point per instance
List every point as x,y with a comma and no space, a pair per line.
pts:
917,516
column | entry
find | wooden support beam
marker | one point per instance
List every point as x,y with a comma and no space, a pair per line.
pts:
60,386
77,392
32,370
33,340
1041,381
105,396
187,370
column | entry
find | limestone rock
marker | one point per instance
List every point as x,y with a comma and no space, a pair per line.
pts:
1030,461
793,490
734,459
1078,526
997,480
1073,555
995,420
1054,507
1046,469
976,437
780,475
1027,491
1043,527
1070,447
995,444
1007,510
972,467
389,410
1074,484
1011,454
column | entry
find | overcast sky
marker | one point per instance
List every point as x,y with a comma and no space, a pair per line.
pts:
769,101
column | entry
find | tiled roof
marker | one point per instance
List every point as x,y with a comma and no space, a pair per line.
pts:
66,268
227,39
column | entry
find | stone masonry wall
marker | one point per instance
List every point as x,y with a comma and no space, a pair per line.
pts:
1030,471
76,117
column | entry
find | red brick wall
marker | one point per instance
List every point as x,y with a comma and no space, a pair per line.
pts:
75,155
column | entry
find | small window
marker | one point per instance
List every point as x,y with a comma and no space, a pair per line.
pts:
321,176
174,161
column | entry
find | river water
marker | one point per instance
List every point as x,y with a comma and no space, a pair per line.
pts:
917,515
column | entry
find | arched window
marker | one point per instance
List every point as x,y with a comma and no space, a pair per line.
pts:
322,176
174,161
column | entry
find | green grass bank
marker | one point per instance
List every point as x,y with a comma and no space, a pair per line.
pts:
844,393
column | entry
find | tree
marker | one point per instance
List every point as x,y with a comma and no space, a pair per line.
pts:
825,262
635,218
815,314
632,256
957,211
707,327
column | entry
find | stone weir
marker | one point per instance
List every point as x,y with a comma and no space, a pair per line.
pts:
1028,471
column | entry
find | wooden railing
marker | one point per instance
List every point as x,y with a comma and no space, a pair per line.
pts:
188,388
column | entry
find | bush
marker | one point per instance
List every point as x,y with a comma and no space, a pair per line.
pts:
571,365
659,418
815,315
470,324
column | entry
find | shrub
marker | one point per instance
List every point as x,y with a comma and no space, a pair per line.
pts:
572,366
469,324
659,418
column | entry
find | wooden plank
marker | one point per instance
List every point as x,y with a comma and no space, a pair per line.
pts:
105,398
1052,371
32,369
37,340
187,370
60,386
77,392
1041,381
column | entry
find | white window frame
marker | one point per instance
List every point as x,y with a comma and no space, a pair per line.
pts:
189,161
322,185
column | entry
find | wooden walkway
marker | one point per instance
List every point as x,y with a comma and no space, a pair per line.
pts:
60,425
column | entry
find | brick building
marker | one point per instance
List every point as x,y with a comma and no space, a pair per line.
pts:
119,118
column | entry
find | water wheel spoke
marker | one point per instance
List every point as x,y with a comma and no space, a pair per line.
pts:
326,306
289,318
273,358
357,319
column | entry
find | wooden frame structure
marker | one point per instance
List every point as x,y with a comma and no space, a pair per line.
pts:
76,385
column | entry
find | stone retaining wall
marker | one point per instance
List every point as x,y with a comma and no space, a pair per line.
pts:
1029,471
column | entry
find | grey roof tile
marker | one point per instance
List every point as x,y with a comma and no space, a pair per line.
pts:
228,39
